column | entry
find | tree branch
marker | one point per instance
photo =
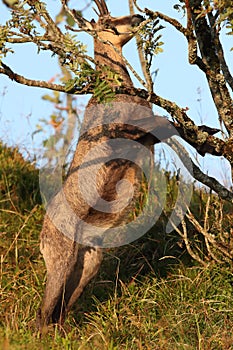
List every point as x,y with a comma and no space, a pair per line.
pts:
196,172
187,32
194,135
4,69
220,52
172,21
25,39
216,80
142,59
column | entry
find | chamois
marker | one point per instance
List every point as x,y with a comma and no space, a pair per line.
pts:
78,218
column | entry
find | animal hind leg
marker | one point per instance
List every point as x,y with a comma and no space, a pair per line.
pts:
89,259
60,254
69,269
81,270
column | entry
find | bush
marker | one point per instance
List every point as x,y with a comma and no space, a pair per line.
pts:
19,184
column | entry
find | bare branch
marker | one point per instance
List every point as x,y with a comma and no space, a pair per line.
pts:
211,239
4,69
25,39
194,135
209,181
205,229
184,236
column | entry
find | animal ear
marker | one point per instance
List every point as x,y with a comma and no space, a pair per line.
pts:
93,23
89,25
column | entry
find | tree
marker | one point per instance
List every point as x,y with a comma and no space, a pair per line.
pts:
205,21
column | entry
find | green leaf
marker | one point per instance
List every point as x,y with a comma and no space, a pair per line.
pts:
70,21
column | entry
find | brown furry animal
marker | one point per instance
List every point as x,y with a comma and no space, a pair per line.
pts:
80,220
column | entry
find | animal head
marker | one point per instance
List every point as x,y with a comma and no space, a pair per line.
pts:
116,30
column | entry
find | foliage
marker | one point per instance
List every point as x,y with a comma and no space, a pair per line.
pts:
18,180
102,82
150,42
224,7
223,11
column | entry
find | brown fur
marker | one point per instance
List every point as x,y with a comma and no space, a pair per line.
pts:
70,266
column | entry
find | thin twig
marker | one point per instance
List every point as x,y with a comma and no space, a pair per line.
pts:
206,228
184,236
208,236
142,59
170,20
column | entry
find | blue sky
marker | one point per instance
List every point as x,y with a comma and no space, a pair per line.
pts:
21,107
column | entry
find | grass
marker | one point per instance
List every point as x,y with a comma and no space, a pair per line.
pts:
190,309
139,300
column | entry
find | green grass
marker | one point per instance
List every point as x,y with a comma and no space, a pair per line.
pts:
137,301
190,309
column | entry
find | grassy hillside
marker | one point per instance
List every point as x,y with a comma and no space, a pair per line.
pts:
139,300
